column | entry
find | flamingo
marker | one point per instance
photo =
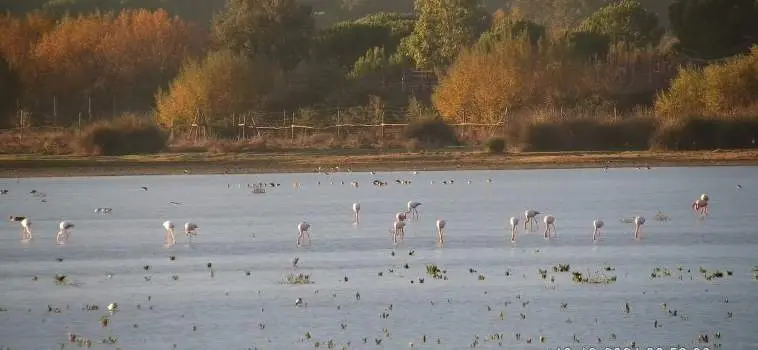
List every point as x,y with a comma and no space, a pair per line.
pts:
356,210
597,224
514,228
26,224
413,208
63,233
441,231
638,222
549,226
530,216
302,231
170,238
700,206
398,231
190,229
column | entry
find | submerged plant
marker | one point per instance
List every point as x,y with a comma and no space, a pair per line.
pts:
300,278
435,272
597,278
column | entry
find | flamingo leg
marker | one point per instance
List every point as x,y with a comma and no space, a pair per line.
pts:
513,234
637,233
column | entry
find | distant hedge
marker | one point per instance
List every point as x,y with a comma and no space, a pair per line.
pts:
122,136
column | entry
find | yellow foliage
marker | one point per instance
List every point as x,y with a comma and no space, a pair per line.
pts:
718,90
484,85
222,84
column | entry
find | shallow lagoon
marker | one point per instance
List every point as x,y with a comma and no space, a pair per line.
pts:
240,232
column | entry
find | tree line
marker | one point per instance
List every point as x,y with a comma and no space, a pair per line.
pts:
509,61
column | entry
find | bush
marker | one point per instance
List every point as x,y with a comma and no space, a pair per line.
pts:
631,134
704,133
431,132
496,145
121,136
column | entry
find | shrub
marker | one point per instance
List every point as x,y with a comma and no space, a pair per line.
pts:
123,135
496,145
700,133
432,132
588,135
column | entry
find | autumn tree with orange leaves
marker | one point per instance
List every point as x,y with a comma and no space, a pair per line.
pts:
117,62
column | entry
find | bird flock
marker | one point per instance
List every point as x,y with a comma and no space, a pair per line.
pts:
699,207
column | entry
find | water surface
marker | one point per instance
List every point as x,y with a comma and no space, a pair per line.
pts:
243,232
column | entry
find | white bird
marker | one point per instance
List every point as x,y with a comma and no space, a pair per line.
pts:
413,208
26,226
354,184
302,230
441,231
597,224
704,197
401,216
190,229
299,302
549,225
103,210
356,210
530,216
170,238
638,222
63,232
514,228
112,307
398,232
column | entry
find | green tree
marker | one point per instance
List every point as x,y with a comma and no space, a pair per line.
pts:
443,29
588,45
557,14
506,25
625,21
344,42
714,28
279,30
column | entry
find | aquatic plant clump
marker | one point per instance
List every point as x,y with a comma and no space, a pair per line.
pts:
562,268
434,271
300,278
597,278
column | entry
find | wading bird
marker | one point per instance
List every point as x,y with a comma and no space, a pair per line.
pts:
413,208
638,222
514,228
398,231
302,231
26,226
597,224
549,226
530,216
700,206
170,238
190,229
441,231
401,216
63,233
356,210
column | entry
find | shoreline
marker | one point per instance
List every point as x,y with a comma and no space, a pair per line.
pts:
25,166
